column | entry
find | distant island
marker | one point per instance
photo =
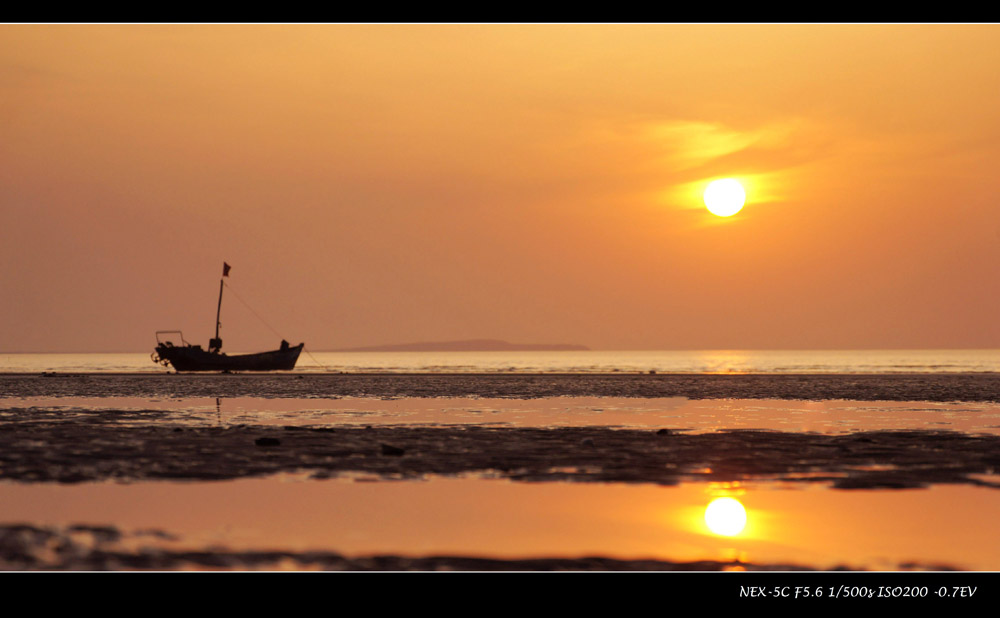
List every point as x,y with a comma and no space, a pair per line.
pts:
468,345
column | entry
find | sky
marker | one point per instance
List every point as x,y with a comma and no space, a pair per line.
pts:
378,184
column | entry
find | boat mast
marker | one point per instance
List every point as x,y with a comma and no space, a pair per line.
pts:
216,344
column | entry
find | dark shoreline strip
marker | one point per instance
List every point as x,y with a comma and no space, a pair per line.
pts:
940,387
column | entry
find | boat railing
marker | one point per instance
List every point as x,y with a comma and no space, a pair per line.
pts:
167,341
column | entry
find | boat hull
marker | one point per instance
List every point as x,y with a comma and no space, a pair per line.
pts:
194,358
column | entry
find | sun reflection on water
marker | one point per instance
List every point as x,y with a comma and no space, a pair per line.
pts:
726,516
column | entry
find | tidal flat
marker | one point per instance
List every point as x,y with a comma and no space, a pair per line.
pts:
80,454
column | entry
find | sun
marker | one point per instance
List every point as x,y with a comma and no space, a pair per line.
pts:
725,197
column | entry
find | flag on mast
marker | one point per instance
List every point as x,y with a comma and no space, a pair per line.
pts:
225,269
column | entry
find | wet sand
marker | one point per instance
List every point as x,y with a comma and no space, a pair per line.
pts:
40,447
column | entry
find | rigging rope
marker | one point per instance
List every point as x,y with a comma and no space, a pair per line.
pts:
280,336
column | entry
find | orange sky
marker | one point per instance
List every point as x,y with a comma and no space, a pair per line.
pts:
536,183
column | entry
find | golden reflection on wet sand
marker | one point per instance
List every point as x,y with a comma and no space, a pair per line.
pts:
818,528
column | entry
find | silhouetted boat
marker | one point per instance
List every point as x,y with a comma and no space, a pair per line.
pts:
189,357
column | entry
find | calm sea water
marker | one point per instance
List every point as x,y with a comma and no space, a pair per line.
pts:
673,361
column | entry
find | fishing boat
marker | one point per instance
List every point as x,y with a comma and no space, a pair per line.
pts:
184,356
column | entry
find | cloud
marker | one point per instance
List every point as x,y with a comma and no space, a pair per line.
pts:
697,148
767,158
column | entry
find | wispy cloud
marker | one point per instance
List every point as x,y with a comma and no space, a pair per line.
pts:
698,147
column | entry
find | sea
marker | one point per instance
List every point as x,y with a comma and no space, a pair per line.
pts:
597,361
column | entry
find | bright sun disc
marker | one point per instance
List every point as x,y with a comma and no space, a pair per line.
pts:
726,516
725,197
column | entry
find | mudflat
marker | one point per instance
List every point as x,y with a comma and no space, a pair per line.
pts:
39,445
